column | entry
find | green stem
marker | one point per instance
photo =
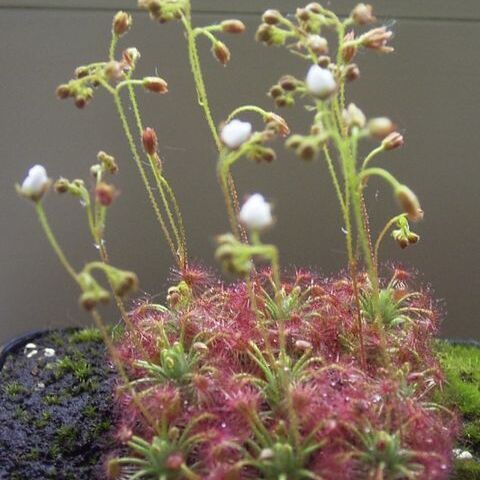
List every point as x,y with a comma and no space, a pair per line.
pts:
198,75
247,108
53,241
143,174
379,172
113,46
161,184
371,156
336,183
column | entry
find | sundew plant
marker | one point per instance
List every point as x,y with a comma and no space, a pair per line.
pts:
273,374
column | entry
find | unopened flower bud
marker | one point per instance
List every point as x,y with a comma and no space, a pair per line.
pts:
155,84
392,141
35,184
61,185
276,91
400,238
288,83
150,141
93,293
81,72
314,7
409,203
264,34
266,155
294,142
235,133
95,170
380,127
122,23
349,51
284,101
317,44
256,213
354,117
320,82
123,282
221,52
63,91
377,39
352,72
362,14
413,238
81,101
131,57
324,61
233,26
114,70
278,123
105,194
107,162
303,14
307,151
272,17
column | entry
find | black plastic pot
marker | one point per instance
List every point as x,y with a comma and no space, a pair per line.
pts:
19,342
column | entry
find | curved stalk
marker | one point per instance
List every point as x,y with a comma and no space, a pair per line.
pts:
53,241
384,231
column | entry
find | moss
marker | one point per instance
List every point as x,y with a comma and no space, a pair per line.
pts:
90,411
52,399
32,455
14,388
87,335
22,415
467,470
76,365
461,364
102,427
44,419
66,438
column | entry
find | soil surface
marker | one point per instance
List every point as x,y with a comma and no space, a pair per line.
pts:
56,404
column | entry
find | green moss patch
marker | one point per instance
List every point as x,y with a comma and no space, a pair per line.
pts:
461,364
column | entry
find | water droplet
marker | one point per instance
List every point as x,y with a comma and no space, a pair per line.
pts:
223,425
98,245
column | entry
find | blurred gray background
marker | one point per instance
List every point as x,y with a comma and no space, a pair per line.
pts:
430,87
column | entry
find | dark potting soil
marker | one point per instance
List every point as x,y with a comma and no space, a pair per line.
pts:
56,404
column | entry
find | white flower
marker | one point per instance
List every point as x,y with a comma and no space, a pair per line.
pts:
320,82
36,183
256,213
235,133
